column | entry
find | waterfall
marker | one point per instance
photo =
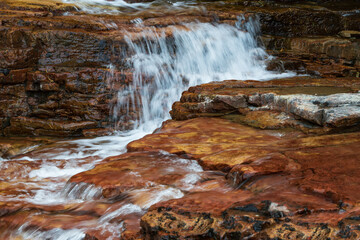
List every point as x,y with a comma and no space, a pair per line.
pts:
163,67
196,53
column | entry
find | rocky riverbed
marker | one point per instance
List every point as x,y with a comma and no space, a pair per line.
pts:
267,153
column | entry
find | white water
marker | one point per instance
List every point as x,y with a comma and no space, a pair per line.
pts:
121,6
163,69
54,234
199,54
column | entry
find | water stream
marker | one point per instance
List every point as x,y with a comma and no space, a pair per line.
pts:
129,7
163,68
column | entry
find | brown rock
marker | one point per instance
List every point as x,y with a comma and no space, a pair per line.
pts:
286,183
317,101
10,147
120,174
216,147
35,127
350,34
13,76
299,22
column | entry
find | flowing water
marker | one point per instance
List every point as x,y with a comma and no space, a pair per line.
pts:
125,7
163,68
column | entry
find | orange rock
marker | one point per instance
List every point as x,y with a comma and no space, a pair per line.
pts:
217,143
35,127
301,176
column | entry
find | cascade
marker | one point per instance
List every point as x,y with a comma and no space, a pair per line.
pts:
199,53
163,67
167,119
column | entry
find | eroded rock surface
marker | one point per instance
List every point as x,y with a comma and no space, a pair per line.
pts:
309,104
291,185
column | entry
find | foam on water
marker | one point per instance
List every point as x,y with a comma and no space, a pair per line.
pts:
121,6
83,191
54,234
188,182
54,172
147,197
104,6
124,210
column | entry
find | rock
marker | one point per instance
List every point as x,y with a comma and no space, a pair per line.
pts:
125,174
10,147
240,158
65,59
265,120
52,5
330,47
318,101
215,147
286,183
289,177
299,22
350,34
97,132
322,56
13,76
233,215
36,127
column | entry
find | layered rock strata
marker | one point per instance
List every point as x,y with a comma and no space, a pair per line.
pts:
305,103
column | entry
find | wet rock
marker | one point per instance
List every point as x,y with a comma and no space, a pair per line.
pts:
64,60
10,147
322,56
123,174
290,186
13,76
36,127
350,34
299,22
289,105
236,218
97,132
216,147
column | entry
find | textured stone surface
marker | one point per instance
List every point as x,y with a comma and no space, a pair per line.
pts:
135,171
300,102
10,147
287,181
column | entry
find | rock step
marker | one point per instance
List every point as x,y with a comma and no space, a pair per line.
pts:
301,102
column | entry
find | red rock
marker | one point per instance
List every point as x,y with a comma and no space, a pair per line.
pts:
134,171
14,76
35,127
